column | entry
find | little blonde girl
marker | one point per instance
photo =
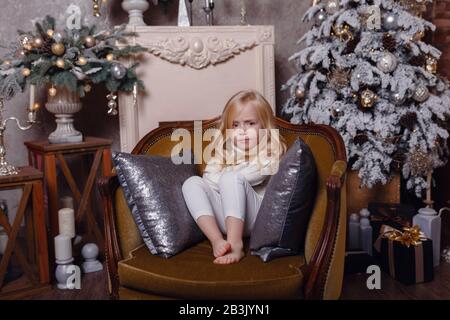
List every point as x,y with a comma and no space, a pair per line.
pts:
227,198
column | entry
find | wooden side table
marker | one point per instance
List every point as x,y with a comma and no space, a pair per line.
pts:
43,155
34,261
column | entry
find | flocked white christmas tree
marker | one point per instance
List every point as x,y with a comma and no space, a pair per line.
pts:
367,72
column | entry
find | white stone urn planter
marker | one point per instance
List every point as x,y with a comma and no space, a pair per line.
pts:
64,105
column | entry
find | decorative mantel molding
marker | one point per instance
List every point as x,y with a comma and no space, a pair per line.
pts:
198,53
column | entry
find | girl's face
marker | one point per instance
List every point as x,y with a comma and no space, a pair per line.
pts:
246,125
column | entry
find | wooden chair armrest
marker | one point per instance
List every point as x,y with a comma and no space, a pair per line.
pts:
107,187
319,265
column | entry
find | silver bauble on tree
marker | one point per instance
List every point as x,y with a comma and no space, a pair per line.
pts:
387,62
421,93
390,21
397,99
321,17
118,71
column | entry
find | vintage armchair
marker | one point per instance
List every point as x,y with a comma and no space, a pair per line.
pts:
134,273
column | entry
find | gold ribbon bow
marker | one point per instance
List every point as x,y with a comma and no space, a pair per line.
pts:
409,236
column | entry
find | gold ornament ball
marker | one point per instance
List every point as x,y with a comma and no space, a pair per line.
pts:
299,94
110,57
60,63
26,72
89,41
82,61
87,88
368,99
58,49
431,65
50,32
52,92
37,42
27,47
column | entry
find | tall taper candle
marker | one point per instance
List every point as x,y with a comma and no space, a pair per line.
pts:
32,96
66,219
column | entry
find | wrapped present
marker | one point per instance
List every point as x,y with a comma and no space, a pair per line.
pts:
392,214
406,255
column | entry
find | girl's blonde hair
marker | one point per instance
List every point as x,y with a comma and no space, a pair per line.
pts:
276,145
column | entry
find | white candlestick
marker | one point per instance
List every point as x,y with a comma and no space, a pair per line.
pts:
207,3
32,95
67,202
63,248
66,218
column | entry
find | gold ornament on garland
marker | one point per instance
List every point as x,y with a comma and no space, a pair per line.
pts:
110,57
87,88
37,42
58,49
60,63
50,32
368,99
81,61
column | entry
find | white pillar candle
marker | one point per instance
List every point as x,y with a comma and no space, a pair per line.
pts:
63,248
32,95
3,242
67,202
66,219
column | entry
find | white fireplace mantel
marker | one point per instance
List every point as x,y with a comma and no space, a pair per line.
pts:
191,72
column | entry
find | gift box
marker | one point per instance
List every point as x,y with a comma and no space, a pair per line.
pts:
395,215
406,255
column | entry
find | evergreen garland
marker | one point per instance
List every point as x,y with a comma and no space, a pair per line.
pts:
87,57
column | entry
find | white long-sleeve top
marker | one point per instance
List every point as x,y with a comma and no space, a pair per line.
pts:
257,176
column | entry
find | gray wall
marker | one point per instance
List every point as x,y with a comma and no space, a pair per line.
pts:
285,15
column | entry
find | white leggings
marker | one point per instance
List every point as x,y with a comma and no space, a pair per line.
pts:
236,198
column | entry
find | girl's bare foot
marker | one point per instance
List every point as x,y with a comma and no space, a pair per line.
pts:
236,254
220,247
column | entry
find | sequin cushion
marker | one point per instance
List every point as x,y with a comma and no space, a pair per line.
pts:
282,220
152,187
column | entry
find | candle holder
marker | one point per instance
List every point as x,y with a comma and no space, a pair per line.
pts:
5,168
209,11
62,273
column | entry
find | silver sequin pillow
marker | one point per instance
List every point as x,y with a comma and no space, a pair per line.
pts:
152,188
283,216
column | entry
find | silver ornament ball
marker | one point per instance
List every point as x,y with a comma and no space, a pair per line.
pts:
421,93
320,17
390,21
387,62
118,71
397,99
